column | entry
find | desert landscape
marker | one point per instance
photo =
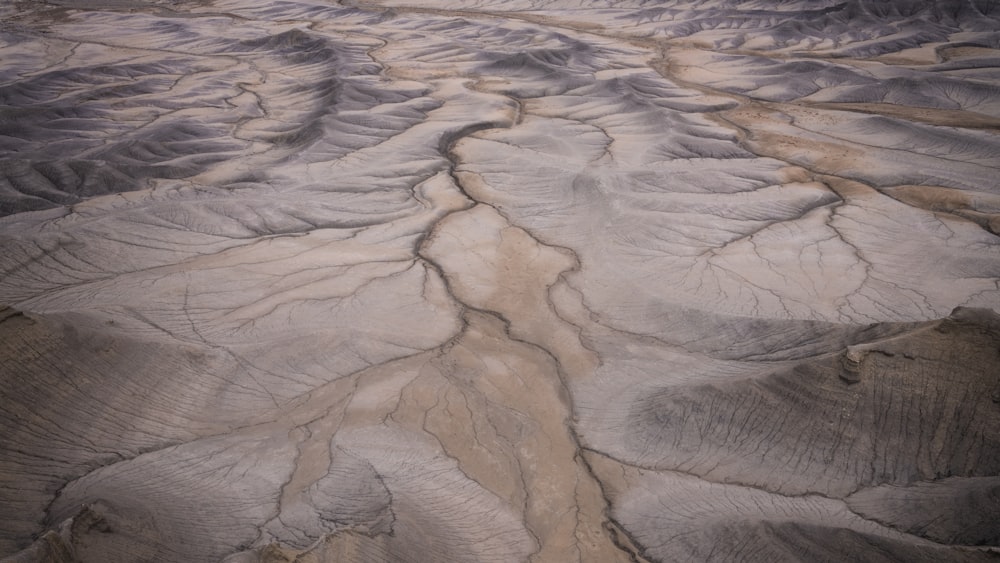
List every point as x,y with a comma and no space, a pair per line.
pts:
498,281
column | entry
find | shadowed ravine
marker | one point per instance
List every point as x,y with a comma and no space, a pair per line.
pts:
492,280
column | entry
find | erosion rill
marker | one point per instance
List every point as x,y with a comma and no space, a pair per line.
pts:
484,280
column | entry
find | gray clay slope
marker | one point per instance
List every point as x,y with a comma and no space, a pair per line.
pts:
491,280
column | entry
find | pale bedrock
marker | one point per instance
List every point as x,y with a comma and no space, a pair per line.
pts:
915,406
646,183
848,85
678,517
881,151
170,99
73,402
916,433
472,280
376,460
953,510
753,241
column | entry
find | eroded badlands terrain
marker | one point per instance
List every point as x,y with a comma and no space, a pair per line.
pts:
466,280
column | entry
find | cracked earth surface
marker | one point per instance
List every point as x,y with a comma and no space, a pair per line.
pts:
499,281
